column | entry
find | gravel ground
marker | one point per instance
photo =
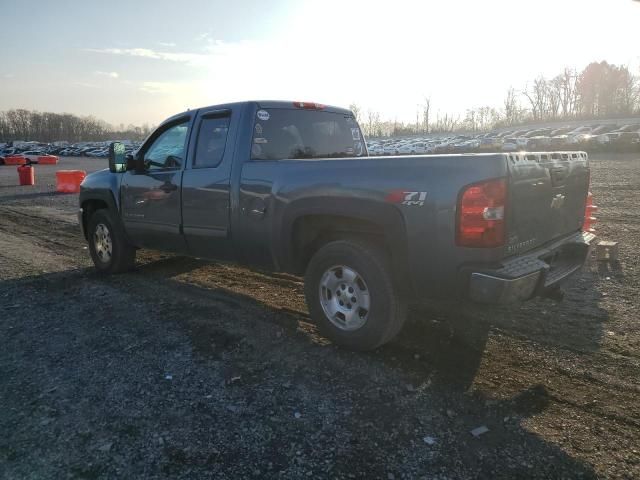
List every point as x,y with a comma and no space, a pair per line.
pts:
192,369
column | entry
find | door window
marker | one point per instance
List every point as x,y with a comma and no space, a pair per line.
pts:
167,151
212,140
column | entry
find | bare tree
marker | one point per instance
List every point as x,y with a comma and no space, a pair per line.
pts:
566,91
373,126
554,88
356,111
447,123
4,126
426,109
370,122
627,91
537,97
470,120
513,111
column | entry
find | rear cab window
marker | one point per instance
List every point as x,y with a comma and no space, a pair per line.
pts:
281,133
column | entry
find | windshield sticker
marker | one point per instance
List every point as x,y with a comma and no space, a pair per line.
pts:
349,151
260,140
355,133
256,150
263,115
258,129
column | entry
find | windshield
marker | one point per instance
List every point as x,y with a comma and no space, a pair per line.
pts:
303,134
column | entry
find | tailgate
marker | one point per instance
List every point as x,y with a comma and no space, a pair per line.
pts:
547,194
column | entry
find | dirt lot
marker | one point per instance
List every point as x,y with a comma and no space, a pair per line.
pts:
190,369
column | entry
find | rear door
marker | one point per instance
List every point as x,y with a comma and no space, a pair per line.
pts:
547,198
206,185
151,209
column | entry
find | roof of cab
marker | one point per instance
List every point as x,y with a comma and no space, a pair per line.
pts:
259,103
291,104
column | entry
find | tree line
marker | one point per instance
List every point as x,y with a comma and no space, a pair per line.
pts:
601,90
47,127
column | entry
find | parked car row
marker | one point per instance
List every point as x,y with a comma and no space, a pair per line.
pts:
603,137
594,137
32,150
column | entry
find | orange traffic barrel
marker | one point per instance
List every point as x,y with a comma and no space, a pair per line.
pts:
47,160
68,181
14,160
27,175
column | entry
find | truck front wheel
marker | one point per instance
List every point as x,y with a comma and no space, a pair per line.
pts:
351,294
110,251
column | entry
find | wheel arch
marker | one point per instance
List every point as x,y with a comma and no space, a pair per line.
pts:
309,224
97,201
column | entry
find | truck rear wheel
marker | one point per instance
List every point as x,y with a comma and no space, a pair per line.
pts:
351,295
109,248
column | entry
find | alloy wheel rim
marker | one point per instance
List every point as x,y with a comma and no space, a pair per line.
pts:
345,297
102,243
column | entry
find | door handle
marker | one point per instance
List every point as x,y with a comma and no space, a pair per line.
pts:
258,211
256,208
168,187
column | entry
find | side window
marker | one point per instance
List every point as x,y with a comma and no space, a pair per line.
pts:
212,140
167,151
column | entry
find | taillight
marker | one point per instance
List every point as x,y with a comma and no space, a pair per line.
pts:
589,210
309,105
481,214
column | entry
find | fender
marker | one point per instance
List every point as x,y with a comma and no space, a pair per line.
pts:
386,216
104,186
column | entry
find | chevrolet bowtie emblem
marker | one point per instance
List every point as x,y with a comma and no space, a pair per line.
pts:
558,201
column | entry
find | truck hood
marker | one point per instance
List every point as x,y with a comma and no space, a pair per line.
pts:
99,179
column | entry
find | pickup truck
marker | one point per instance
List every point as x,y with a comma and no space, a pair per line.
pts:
289,187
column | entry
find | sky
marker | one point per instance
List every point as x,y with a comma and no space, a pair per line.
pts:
137,62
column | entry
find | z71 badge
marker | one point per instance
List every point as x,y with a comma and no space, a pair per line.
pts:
416,199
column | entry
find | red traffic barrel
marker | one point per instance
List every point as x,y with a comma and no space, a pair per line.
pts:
68,181
27,175
14,160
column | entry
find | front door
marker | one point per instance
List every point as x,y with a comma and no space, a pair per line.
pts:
151,198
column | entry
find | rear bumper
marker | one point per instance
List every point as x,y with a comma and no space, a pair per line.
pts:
523,277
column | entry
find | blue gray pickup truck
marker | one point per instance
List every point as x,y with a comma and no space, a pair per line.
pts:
289,187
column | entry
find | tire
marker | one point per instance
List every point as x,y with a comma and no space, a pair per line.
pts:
354,270
109,248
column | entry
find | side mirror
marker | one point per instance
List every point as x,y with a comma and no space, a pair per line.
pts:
137,161
134,163
117,160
